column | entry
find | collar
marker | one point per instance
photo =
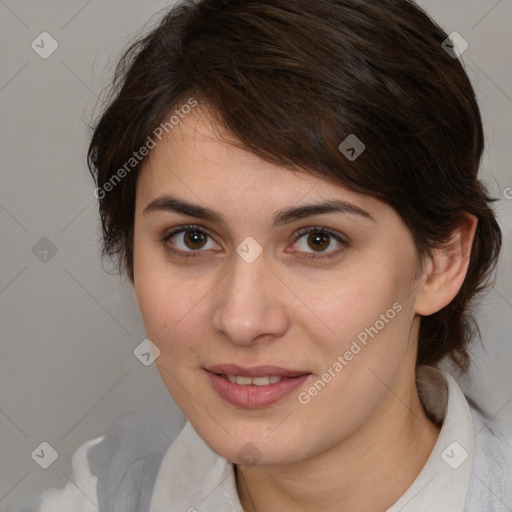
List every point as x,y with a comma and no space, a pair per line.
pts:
193,478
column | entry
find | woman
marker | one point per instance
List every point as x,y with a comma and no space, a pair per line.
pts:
291,187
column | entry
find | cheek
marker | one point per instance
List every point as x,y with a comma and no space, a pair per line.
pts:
172,307
370,316
360,361
361,307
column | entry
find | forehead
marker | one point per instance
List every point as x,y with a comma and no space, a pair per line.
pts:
198,161
199,148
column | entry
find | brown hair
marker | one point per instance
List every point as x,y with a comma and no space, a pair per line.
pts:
291,79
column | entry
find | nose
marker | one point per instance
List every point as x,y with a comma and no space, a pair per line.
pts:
251,303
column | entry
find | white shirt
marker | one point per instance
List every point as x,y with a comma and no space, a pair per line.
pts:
469,469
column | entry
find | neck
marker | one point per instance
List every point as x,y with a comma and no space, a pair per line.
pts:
355,474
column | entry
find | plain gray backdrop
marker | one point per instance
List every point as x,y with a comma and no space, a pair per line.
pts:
69,329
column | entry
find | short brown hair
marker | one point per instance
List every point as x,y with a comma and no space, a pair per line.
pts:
292,79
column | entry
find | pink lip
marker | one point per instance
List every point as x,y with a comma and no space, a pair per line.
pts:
252,396
255,371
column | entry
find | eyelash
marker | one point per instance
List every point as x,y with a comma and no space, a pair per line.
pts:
300,233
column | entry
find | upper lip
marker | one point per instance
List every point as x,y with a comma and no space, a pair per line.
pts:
254,371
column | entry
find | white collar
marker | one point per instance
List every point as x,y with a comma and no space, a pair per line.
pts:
193,478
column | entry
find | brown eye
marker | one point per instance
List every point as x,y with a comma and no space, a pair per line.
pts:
194,239
318,240
188,241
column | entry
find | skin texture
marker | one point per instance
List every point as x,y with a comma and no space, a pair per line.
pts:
338,451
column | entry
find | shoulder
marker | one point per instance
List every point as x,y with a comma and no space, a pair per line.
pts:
188,461
80,495
490,487
118,467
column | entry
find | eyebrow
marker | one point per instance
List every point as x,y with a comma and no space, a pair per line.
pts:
171,204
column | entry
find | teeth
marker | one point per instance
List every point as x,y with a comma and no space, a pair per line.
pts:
256,381
261,381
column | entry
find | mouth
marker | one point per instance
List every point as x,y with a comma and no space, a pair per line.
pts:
254,387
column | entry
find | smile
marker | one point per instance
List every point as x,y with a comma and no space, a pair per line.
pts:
255,387
256,381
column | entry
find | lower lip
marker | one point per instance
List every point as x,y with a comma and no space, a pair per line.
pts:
253,396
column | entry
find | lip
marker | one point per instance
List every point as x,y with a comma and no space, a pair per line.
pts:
255,371
252,396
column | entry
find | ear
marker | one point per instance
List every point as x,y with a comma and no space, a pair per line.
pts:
446,270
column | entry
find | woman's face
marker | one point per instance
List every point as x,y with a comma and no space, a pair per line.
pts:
331,312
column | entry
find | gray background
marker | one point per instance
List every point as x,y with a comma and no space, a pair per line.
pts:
68,328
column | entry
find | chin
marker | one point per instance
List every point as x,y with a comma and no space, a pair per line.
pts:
253,444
